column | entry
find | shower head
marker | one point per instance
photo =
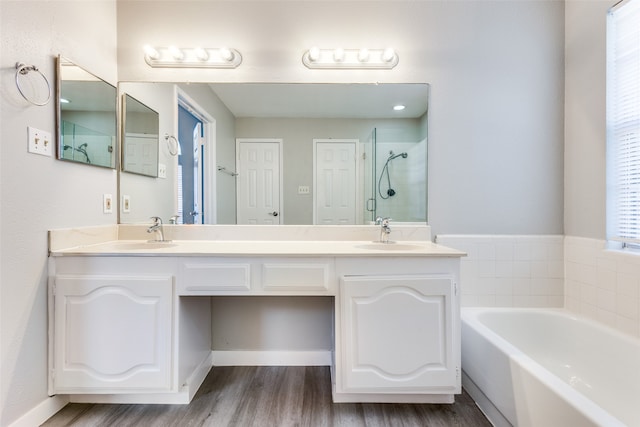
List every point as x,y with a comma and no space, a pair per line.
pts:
395,156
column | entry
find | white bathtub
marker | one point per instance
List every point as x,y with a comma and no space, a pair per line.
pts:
545,367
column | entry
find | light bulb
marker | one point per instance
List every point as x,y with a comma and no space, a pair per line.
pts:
399,107
363,55
201,54
177,54
314,54
226,54
338,55
151,52
388,54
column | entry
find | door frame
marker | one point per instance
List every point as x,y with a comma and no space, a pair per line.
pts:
280,174
209,214
358,160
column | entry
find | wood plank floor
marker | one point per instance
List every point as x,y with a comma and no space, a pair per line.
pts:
270,396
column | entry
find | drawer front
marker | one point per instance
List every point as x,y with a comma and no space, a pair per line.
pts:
284,276
203,277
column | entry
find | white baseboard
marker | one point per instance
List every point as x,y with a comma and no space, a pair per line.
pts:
183,396
42,412
272,358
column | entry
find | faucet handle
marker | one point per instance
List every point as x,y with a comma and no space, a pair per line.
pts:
174,219
157,220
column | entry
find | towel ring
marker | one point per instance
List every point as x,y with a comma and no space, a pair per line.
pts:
175,144
23,70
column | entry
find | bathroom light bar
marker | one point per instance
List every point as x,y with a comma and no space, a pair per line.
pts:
350,58
174,57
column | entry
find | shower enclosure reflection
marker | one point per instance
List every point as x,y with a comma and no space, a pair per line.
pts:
397,179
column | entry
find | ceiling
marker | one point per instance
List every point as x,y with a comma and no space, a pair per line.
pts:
319,100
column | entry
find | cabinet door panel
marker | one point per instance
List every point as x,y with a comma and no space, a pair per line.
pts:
397,333
112,333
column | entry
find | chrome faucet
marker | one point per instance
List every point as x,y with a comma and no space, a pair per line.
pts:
156,227
174,219
385,228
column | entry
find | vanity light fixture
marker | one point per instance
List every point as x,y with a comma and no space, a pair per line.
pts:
174,57
350,58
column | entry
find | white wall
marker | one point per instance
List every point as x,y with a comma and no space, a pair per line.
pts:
585,118
39,193
496,70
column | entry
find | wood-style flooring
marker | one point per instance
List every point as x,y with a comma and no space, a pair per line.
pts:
270,396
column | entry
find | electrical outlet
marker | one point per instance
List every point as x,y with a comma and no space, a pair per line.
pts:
303,189
39,141
162,170
126,203
107,203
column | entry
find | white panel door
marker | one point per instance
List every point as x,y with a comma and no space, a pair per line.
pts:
258,181
112,333
397,334
141,154
335,182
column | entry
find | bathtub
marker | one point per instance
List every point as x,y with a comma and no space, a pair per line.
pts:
545,367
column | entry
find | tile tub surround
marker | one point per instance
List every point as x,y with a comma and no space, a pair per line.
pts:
603,284
510,270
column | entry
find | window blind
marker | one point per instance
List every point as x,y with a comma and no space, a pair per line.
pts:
623,123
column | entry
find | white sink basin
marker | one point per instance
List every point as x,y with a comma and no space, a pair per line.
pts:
392,246
134,246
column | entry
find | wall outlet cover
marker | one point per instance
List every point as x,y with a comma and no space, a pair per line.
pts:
107,203
162,170
39,142
126,203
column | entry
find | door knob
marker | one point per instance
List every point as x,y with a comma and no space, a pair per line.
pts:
274,213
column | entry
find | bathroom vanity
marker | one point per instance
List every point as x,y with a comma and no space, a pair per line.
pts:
130,321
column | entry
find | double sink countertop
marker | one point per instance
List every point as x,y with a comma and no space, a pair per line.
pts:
189,240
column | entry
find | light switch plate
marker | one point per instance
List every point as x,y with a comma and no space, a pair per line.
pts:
39,142
107,203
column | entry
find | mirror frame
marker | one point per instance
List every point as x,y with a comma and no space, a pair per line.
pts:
61,61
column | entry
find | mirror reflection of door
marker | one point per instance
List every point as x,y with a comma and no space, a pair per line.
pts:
259,181
190,167
335,181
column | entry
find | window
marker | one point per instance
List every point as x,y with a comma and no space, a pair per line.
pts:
623,124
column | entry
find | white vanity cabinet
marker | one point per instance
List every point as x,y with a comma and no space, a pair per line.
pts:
136,327
397,332
112,333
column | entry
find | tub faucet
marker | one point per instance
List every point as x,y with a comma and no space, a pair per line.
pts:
156,227
385,228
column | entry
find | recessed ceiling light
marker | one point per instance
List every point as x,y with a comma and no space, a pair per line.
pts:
399,107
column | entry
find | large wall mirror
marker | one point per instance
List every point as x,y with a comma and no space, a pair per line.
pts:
335,145
86,116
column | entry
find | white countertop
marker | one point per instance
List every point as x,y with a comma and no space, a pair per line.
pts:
259,248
